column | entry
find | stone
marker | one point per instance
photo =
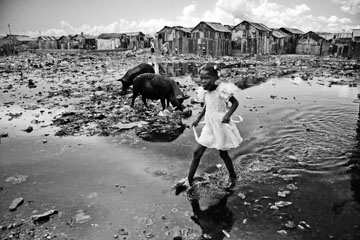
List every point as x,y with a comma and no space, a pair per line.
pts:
16,203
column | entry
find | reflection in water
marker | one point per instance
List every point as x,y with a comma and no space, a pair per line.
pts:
214,220
178,69
355,162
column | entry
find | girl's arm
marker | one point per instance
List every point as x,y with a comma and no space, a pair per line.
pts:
234,105
201,115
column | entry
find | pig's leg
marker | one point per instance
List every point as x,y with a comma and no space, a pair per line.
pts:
144,100
163,103
133,98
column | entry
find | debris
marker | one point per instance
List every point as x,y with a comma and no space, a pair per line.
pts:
28,129
41,218
290,224
303,225
126,126
282,232
80,217
281,204
4,135
16,203
226,233
241,195
283,193
17,179
291,187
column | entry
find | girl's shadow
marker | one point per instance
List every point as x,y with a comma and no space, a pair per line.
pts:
216,220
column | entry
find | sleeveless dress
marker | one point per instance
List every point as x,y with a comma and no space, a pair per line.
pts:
215,134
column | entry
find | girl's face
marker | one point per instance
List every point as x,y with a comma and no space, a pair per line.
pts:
207,81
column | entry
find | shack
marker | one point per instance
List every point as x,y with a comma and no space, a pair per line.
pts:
312,44
356,44
176,39
181,36
83,41
136,40
210,38
278,42
250,38
295,35
47,42
343,41
6,46
108,41
24,43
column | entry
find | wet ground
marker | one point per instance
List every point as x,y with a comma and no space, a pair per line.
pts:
298,166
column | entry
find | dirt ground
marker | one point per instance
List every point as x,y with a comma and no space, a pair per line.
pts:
77,162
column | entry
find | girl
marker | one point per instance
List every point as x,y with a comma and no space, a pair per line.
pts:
219,132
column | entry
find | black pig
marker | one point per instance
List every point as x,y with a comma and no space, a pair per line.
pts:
128,78
155,86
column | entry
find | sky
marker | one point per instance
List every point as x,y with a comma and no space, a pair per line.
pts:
93,17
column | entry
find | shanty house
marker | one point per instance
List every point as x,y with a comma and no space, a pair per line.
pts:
24,43
83,41
47,42
312,44
295,35
278,41
6,46
210,38
176,39
356,43
136,40
343,42
108,41
251,38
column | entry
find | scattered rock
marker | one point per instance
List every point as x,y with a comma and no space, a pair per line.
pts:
42,218
17,179
81,217
16,203
29,129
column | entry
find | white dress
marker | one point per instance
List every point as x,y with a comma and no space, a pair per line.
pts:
215,134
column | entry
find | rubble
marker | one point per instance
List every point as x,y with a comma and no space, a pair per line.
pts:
16,203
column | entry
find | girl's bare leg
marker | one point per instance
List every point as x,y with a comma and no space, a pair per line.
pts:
199,151
229,165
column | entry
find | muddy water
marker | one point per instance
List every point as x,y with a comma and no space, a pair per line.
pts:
301,133
296,133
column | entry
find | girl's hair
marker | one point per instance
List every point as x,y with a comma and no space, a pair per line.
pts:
211,69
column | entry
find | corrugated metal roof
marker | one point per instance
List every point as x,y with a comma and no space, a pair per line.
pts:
47,38
216,26
111,35
165,29
293,30
312,35
25,39
230,27
259,26
279,34
327,36
344,35
133,34
181,28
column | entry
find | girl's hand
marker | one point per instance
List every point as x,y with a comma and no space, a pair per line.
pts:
226,119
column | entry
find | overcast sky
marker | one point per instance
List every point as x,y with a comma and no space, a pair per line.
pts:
63,17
